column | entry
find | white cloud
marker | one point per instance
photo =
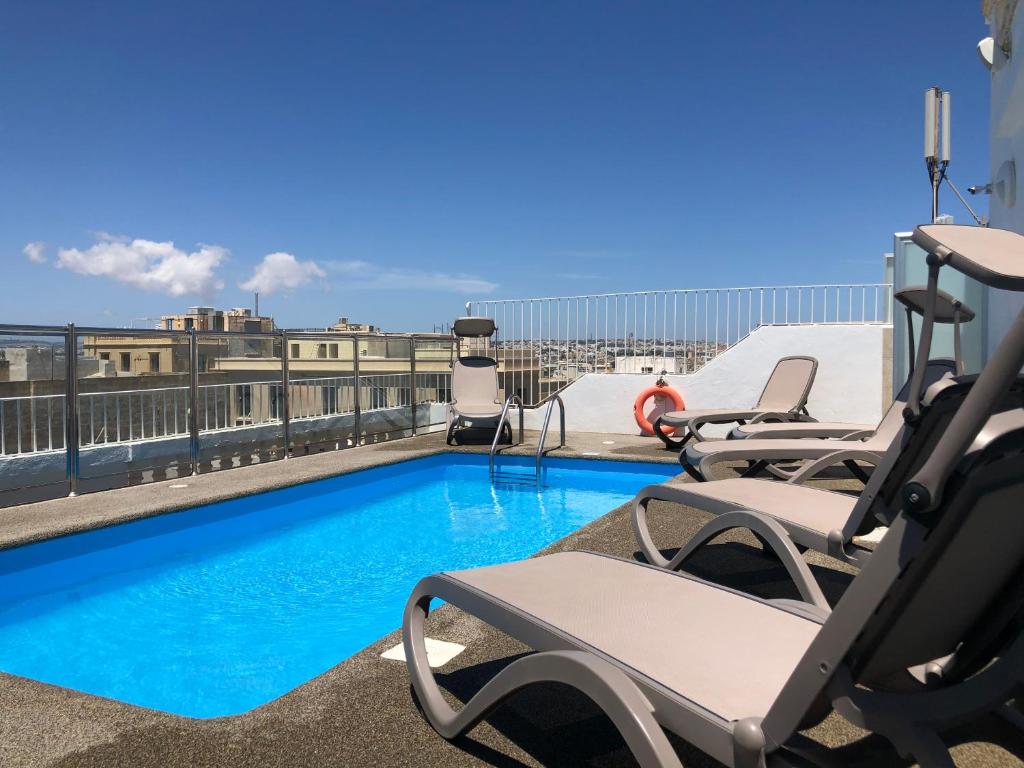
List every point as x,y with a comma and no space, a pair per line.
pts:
34,251
101,234
149,265
362,274
281,271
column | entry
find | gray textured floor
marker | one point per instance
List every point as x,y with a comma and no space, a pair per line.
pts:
361,712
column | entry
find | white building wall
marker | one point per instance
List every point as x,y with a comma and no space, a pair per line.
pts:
1006,146
848,386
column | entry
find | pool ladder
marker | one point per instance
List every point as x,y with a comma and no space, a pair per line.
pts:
541,450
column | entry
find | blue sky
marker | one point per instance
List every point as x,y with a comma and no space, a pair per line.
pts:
396,159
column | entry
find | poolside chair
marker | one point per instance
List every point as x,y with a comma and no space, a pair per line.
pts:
784,398
948,309
811,518
764,454
927,636
475,399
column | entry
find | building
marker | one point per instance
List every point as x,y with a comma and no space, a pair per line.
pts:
149,354
46,363
238,320
344,326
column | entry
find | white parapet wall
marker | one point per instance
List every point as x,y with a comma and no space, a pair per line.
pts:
848,387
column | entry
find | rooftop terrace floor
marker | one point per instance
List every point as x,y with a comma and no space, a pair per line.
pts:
361,711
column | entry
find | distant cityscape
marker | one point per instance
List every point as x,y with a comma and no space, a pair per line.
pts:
227,344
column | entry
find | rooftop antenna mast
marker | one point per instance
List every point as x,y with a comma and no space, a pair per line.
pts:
256,308
936,140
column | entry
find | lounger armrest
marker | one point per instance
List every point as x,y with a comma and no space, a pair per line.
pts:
726,417
811,468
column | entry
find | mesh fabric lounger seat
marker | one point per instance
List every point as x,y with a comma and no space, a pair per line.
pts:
698,459
802,430
784,398
927,636
948,309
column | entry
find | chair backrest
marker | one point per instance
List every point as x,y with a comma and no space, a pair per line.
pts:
893,421
475,381
905,452
954,591
948,582
789,385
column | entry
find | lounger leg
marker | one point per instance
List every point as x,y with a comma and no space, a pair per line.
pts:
451,431
642,532
748,744
926,748
856,471
670,444
754,469
770,533
772,536
608,687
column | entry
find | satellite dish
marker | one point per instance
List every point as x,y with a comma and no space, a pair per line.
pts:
987,52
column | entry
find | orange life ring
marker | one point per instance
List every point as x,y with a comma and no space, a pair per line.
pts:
655,391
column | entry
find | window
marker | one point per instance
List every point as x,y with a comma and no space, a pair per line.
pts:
321,350
169,323
104,355
295,352
202,363
126,361
647,369
218,322
334,351
189,323
154,362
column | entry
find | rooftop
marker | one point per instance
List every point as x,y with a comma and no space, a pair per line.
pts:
360,712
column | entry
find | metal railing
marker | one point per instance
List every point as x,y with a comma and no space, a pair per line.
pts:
541,451
36,419
504,420
546,343
31,424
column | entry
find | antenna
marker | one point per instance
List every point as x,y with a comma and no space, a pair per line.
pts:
256,308
937,111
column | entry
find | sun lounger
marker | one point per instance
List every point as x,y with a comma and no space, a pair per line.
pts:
698,459
784,398
475,400
948,309
811,518
926,637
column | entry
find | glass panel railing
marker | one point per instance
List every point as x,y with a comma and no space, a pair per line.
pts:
33,417
434,356
239,399
133,398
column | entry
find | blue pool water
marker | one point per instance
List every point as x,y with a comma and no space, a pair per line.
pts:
218,609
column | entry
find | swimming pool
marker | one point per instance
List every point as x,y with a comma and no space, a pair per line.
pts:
215,610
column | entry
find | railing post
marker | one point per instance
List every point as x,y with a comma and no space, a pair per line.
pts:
357,406
412,380
285,413
193,401
71,408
